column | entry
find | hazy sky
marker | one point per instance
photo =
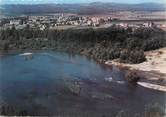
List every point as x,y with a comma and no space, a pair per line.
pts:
75,1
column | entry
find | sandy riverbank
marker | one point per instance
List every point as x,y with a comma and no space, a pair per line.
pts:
152,71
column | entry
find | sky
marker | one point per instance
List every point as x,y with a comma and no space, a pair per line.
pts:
75,1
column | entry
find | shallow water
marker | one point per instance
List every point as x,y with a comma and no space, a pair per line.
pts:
42,85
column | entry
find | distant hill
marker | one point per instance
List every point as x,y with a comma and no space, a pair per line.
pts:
91,8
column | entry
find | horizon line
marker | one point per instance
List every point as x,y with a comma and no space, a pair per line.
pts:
81,3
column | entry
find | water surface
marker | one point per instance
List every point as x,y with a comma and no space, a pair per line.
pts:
42,85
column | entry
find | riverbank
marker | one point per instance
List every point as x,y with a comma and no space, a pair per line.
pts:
152,72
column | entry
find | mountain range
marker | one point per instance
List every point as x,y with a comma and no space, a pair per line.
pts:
83,9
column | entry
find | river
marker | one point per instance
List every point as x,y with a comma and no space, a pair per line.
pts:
55,83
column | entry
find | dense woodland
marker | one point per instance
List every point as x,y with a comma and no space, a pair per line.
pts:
101,44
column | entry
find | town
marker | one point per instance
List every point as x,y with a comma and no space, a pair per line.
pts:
65,21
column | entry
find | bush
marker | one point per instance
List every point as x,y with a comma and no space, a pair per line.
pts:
132,77
134,57
137,56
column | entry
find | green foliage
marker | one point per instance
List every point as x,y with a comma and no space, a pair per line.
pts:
133,56
132,76
102,44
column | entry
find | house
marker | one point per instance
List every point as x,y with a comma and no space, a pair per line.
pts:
15,22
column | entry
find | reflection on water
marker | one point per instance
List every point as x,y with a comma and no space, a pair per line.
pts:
57,83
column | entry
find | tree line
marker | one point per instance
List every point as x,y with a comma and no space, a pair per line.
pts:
102,44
